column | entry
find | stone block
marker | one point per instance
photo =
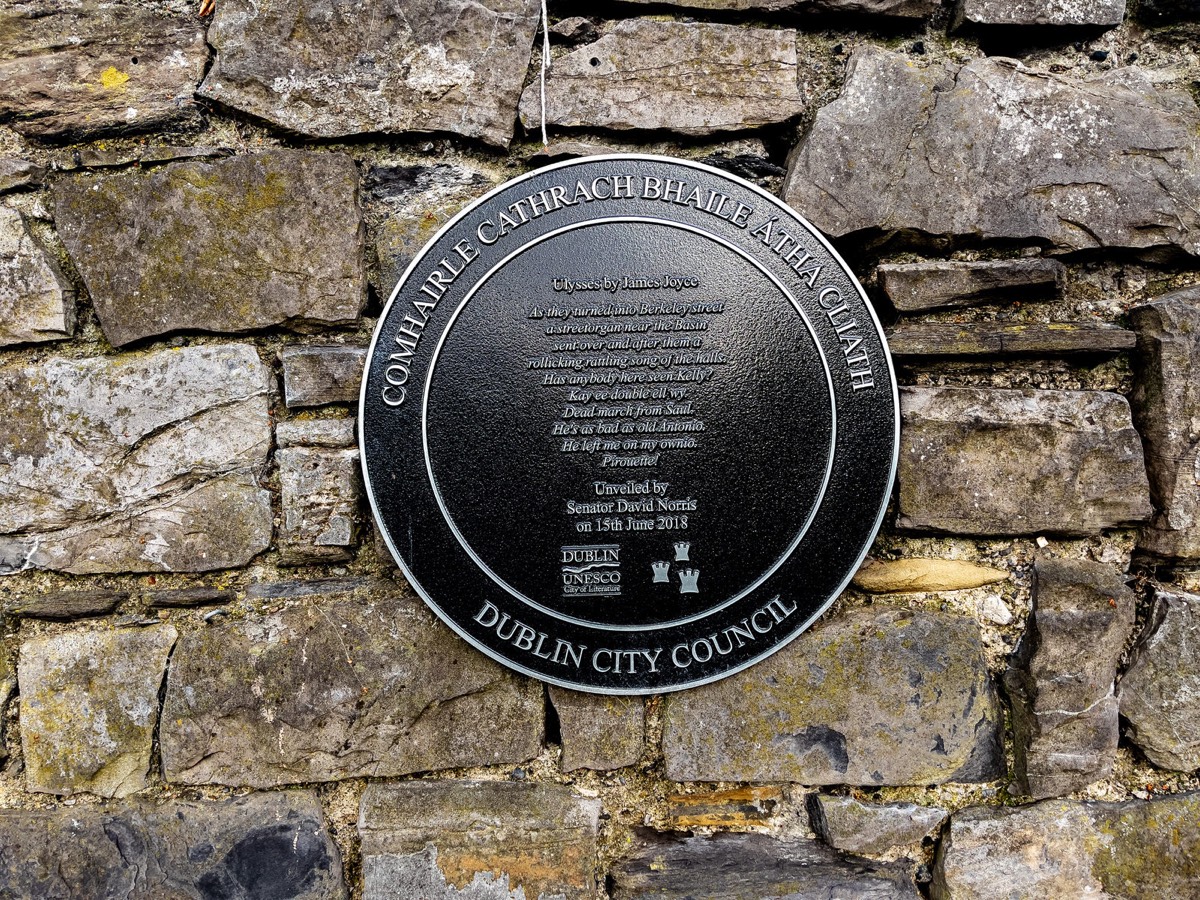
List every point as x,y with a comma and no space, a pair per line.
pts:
143,462
995,150
1066,13
1160,691
66,604
376,66
1158,11
332,433
478,840
900,9
37,302
849,824
922,286
1061,681
7,685
599,732
89,704
824,711
225,245
689,78
320,492
17,173
258,847
78,69
737,808
315,376
914,575
916,340
983,461
185,597
357,681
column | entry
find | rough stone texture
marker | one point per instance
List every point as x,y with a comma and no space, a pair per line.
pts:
904,9
1061,682
917,287
993,149
574,30
36,300
142,463
895,576
361,681
1006,339
16,173
857,827
1167,10
982,461
1160,692
66,604
1166,407
260,847
685,77
1040,12
314,376
89,702
599,732
751,867
82,68
227,245
737,808
320,492
196,596
7,686
1065,850
478,840
823,711
375,66
335,433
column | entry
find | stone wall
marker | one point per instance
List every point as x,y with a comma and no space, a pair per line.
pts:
213,682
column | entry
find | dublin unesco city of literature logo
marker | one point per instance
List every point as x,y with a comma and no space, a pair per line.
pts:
628,424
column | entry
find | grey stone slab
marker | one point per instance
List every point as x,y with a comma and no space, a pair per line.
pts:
1166,408
903,9
258,847
824,711
142,462
17,173
983,461
574,30
857,827
74,604
1065,850
186,597
230,245
916,340
317,375
993,149
1076,13
83,68
357,682
37,303
751,867
320,490
478,840
1160,691
89,705
917,287
599,732
685,77
1061,682
334,433
375,66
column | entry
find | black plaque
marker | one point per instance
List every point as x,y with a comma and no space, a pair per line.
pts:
628,424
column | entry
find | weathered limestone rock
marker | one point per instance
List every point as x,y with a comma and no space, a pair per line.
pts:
141,463
574,30
89,701
375,66
824,711
85,68
335,433
356,682
1160,692
225,245
66,604
598,732
1064,850
1006,339
36,300
995,150
982,461
736,808
18,173
751,867
895,576
1040,12
1166,407
904,9
686,77
1061,682
849,824
320,492
917,287
260,846
478,840
314,376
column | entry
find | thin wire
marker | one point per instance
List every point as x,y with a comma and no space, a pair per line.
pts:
545,67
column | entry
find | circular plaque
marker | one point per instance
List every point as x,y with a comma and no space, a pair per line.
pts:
629,424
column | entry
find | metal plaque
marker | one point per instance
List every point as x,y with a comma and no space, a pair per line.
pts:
628,424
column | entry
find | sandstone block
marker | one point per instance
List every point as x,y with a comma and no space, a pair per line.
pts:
478,840
599,732
916,340
336,434
222,245
359,681
315,376
320,492
89,704
36,301
981,461
685,77
895,576
917,287
1075,13
824,711
849,824
736,808
66,604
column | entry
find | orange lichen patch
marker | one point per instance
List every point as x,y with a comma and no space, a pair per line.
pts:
113,78
724,809
548,868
